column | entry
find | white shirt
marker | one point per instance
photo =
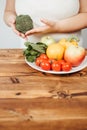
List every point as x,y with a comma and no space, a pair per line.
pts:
51,10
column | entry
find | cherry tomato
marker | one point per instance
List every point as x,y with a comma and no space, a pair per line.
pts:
56,66
45,65
51,60
38,61
61,62
66,66
43,56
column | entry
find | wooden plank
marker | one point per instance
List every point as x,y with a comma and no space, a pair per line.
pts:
32,87
9,53
41,114
47,110
54,125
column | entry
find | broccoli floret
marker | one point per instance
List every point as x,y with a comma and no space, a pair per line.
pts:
24,23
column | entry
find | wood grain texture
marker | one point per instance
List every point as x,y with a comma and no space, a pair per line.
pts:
43,114
32,100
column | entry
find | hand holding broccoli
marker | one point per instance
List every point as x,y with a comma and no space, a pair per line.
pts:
21,24
10,19
24,23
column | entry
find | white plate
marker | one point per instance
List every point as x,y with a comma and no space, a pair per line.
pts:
74,69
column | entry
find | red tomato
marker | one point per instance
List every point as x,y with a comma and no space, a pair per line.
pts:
56,66
38,61
51,60
43,56
45,65
67,66
61,62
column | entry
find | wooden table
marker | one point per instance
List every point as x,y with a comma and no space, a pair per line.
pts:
31,100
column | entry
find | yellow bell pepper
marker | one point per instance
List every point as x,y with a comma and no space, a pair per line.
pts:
65,42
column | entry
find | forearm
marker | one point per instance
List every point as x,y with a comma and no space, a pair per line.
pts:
8,16
72,24
9,13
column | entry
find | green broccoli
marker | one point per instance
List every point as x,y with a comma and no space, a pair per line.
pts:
23,23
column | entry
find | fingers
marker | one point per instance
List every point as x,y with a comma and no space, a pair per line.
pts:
47,22
34,31
37,30
12,20
17,32
14,29
49,26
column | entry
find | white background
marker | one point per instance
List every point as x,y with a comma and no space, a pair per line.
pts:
8,39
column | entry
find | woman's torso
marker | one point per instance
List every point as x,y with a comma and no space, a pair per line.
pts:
48,9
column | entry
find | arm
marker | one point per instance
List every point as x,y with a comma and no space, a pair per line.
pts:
10,16
77,22
71,24
9,13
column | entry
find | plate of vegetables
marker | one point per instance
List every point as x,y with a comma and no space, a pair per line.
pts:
57,67
36,57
